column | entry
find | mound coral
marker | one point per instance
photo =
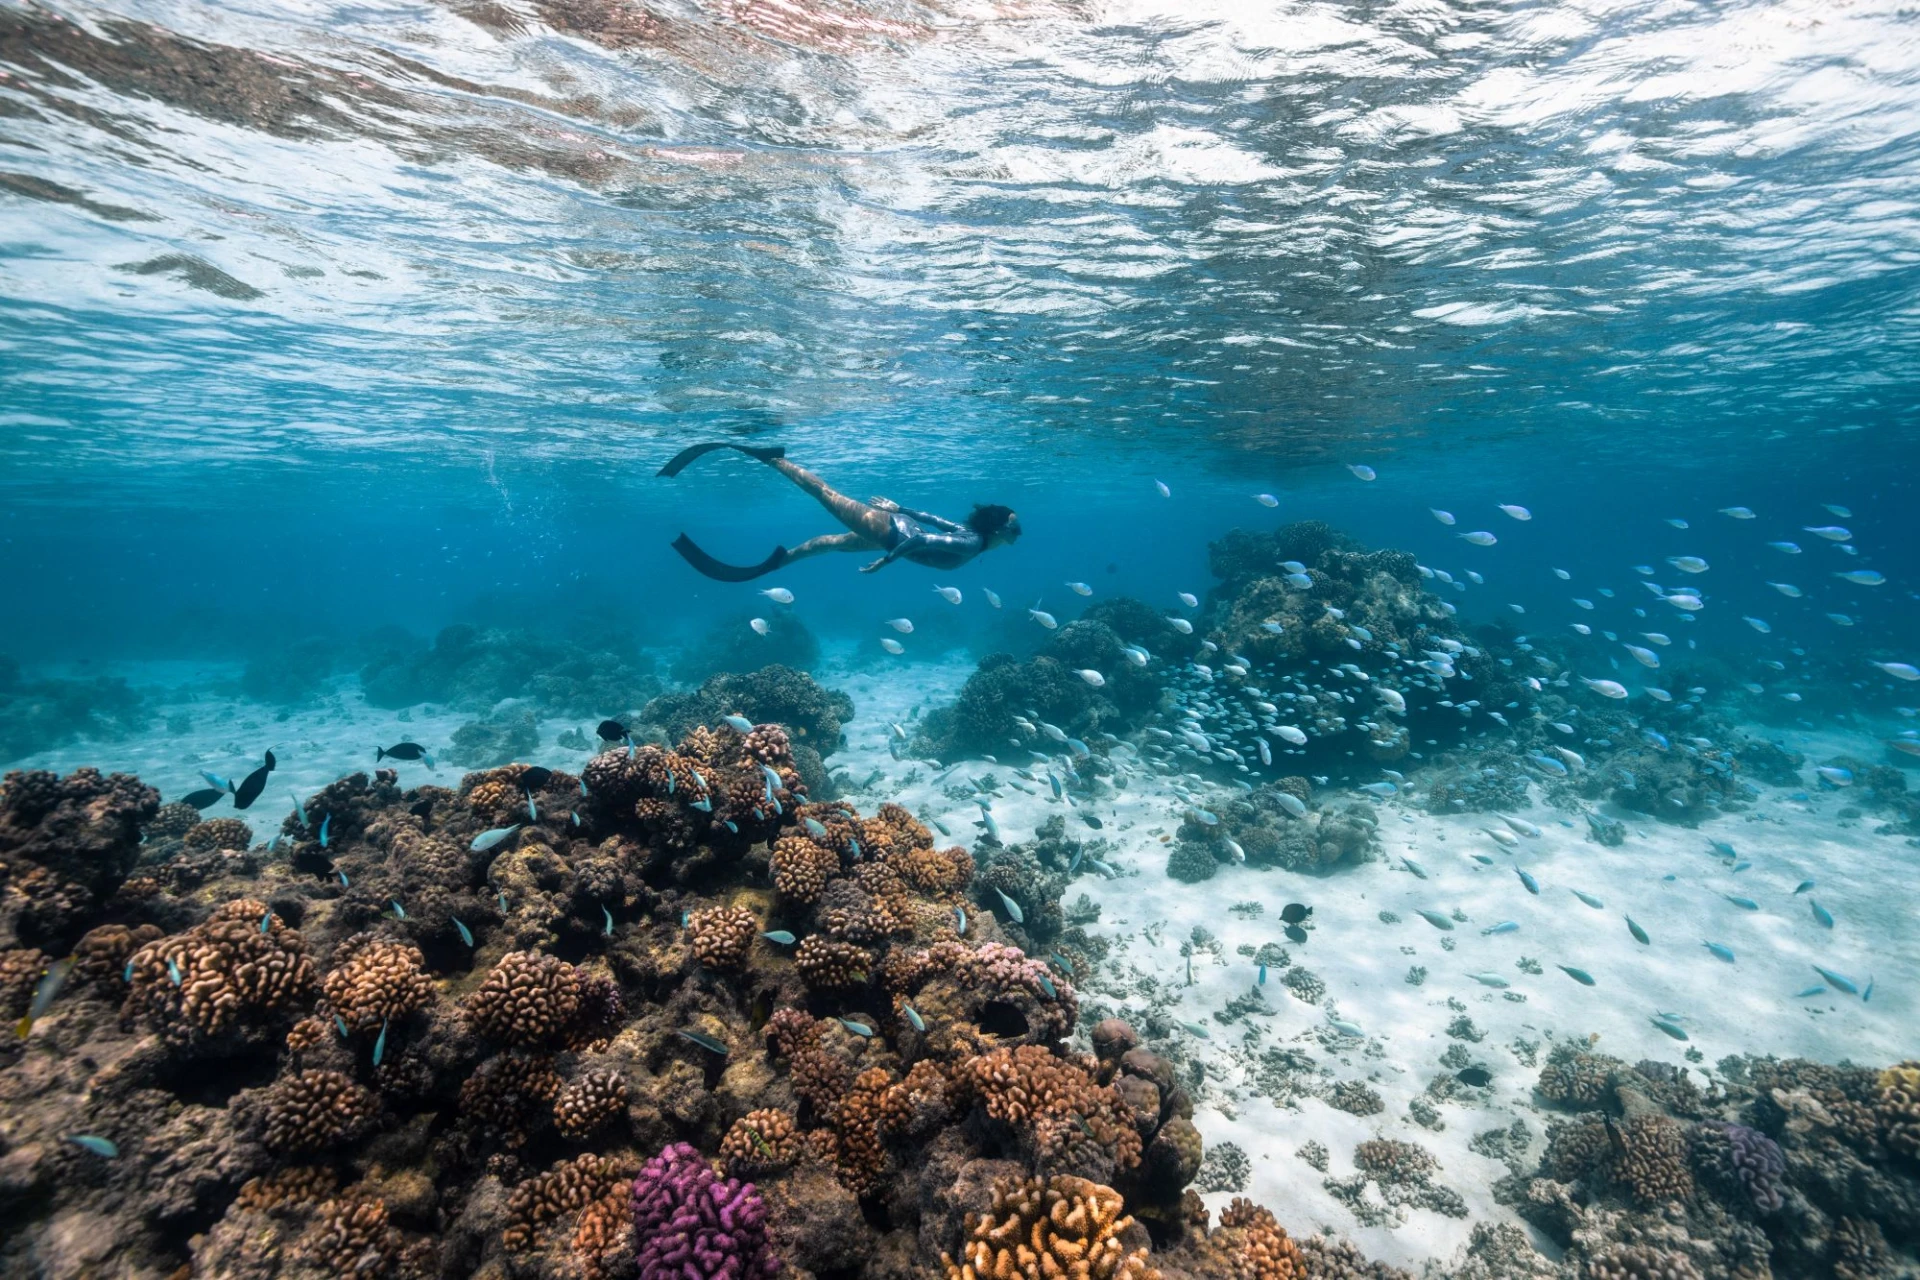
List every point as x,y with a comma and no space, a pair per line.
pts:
1054,1105
760,1142
374,982
529,999
771,695
589,1104
314,1110
66,844
723,936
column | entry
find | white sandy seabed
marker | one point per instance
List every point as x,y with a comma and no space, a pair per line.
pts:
1367,963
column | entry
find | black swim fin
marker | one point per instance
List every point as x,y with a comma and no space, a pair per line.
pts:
682,459
719,572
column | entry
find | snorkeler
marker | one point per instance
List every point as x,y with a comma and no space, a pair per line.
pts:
899,533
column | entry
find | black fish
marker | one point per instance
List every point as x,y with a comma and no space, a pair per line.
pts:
1092,821
1614,1140
611,731
1294,912
536,777
1296,934
403,751
253,784
205,798
1478,1077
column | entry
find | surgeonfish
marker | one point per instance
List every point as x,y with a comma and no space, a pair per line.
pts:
488,839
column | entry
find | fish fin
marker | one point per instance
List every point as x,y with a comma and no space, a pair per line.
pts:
693,453
719,571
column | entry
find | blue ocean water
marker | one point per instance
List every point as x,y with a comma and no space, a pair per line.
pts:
326,327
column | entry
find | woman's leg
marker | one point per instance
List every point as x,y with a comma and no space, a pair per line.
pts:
867,521
831,542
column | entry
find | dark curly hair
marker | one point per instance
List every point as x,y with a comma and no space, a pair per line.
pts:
991,518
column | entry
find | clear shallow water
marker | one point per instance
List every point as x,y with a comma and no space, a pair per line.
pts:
319,320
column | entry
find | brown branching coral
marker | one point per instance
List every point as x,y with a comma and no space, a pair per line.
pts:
1640,1262
1042,1228
219,833
801,867
507,1094
723,936
314,1110
589,1104
351,1236
102,954
1654,1165
528,999
1053,1101
293,1187
568,1187
1899,1107
374,982
760,1143
240,968
1252,1245
826,965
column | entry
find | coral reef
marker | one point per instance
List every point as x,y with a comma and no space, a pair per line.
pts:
770,695
1043,1227
733,646
66,845
40,714
476,668
690,1222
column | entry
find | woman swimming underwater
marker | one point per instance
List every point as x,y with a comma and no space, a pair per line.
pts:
880,525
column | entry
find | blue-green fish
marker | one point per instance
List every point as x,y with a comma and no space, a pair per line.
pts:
1589,899
1435,919
1419,871
98,1145
1745,904
1013,908
299,809
501,895
49,986
399,912
1868,993
217,781
1262,979
860,1029
672,782
341,1023
533,810
380,1043
739,724
1817,989
703,804
960,918
466,934
1197,1030
344,882
1821,914
1802,887
775,802
1533,886
1046,985
1493,980
773,780
576,819
325,823
266,919
487,839
173,971
607,931
781,936
814,828
913,1017
1505,926
1720,950
1345,1028
940,826
1839,981
1580,976
1669,1027
1063,962
1639,934
728,823
583,788
705,1041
